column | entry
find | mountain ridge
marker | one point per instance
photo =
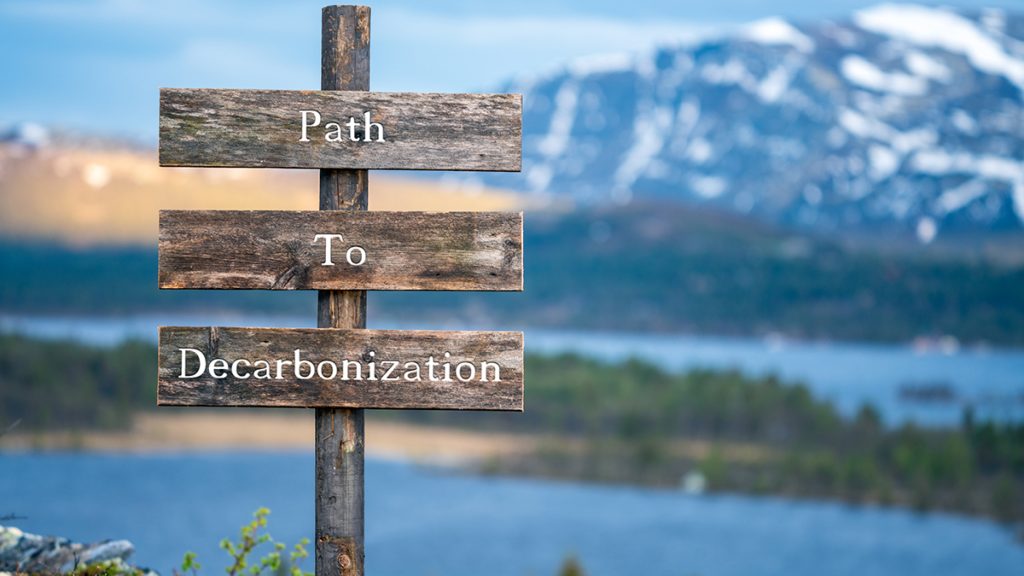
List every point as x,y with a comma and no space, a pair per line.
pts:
902,119
902,116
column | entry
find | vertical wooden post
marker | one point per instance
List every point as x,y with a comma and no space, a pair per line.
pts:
344,65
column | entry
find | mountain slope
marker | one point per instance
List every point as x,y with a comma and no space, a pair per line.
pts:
902,116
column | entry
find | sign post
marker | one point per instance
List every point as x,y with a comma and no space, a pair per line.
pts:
341,251
340,435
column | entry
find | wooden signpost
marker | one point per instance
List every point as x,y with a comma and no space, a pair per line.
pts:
316,129
333,250
340,368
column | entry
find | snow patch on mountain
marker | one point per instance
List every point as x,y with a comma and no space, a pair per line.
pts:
865,74
945,29
651,131
775,31
900,115
927,67
601,64
559,132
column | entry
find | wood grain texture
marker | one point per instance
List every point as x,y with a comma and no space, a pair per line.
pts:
337,345
275,250
262,128
340,438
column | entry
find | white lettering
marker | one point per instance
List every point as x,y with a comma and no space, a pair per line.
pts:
412,372
355,256
332,132
369,129
329,364
202,363
372,367
366,131
431,364
327,246
352,124
280,366
344,370
299,363
195,364
306,124
391,365
219,368
483,371
234,369
458,371
262,369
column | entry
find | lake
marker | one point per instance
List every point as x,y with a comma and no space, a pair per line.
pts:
847,374
428,522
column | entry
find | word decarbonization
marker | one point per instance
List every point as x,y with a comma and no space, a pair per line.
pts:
194,364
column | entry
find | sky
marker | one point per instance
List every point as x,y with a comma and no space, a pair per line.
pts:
95,66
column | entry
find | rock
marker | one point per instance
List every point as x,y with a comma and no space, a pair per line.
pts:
23,552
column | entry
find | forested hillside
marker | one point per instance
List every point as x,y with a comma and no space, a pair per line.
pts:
680,270
629,422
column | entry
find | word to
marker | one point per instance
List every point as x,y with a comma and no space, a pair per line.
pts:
369,368
355,255
334,133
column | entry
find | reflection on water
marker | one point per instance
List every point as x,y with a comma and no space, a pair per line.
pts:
110,330
890,377
992,381
423,522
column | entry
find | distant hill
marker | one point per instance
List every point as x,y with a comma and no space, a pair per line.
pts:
901,117
710,179
90,191
645,267
674,268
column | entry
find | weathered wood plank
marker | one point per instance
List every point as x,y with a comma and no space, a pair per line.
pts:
453,370
279,250
263,129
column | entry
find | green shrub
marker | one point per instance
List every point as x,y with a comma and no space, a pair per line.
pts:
252,536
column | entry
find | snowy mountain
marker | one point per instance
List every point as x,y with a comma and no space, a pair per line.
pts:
901,115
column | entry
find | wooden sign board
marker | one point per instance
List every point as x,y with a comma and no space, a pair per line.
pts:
339,129
340,368
341,250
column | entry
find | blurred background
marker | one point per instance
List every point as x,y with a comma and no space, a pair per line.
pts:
774,302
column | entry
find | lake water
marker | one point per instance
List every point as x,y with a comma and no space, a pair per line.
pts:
426,522
991,380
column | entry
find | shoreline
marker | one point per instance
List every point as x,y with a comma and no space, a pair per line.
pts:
215,430
252,430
